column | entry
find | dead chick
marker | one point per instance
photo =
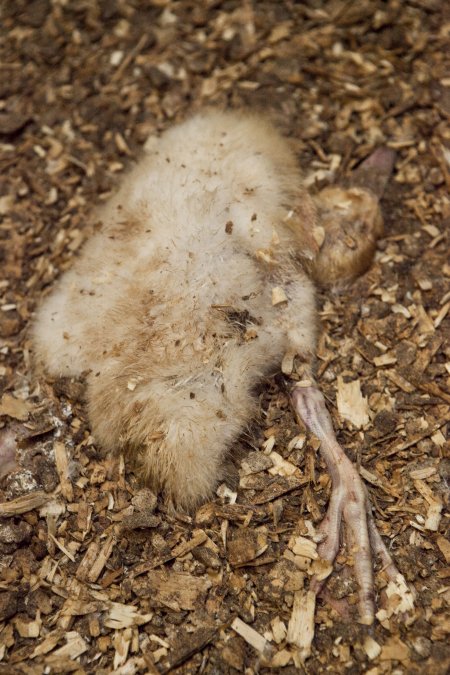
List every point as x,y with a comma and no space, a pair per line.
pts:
212,224
197,235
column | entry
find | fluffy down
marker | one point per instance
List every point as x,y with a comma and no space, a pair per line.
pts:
170,305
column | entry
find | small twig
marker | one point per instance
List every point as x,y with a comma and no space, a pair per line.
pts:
418,437
129,58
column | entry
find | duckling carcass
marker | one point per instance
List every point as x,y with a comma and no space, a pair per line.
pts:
190,290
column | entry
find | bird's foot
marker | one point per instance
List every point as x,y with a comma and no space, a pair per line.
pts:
349,505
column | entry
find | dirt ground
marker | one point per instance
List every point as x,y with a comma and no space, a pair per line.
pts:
95,577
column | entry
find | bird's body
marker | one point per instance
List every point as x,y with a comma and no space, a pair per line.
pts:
189,290
171,307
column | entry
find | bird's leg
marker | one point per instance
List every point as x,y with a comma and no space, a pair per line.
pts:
348,503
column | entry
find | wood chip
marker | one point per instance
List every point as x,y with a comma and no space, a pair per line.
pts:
287,363
14,407
385,360
400,599
351,404
301,624
281,467
278,488
441,315
171,589
29,628
48,644
252,637
23,504
61,547
95,560
371,647
399,381
279,630
424,473
74,647
434,505
281,659
121,616
62,467
444,547
198,539
279,296
304,547
319,235
394,650
245,546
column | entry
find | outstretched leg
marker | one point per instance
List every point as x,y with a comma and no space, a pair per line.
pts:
348,503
